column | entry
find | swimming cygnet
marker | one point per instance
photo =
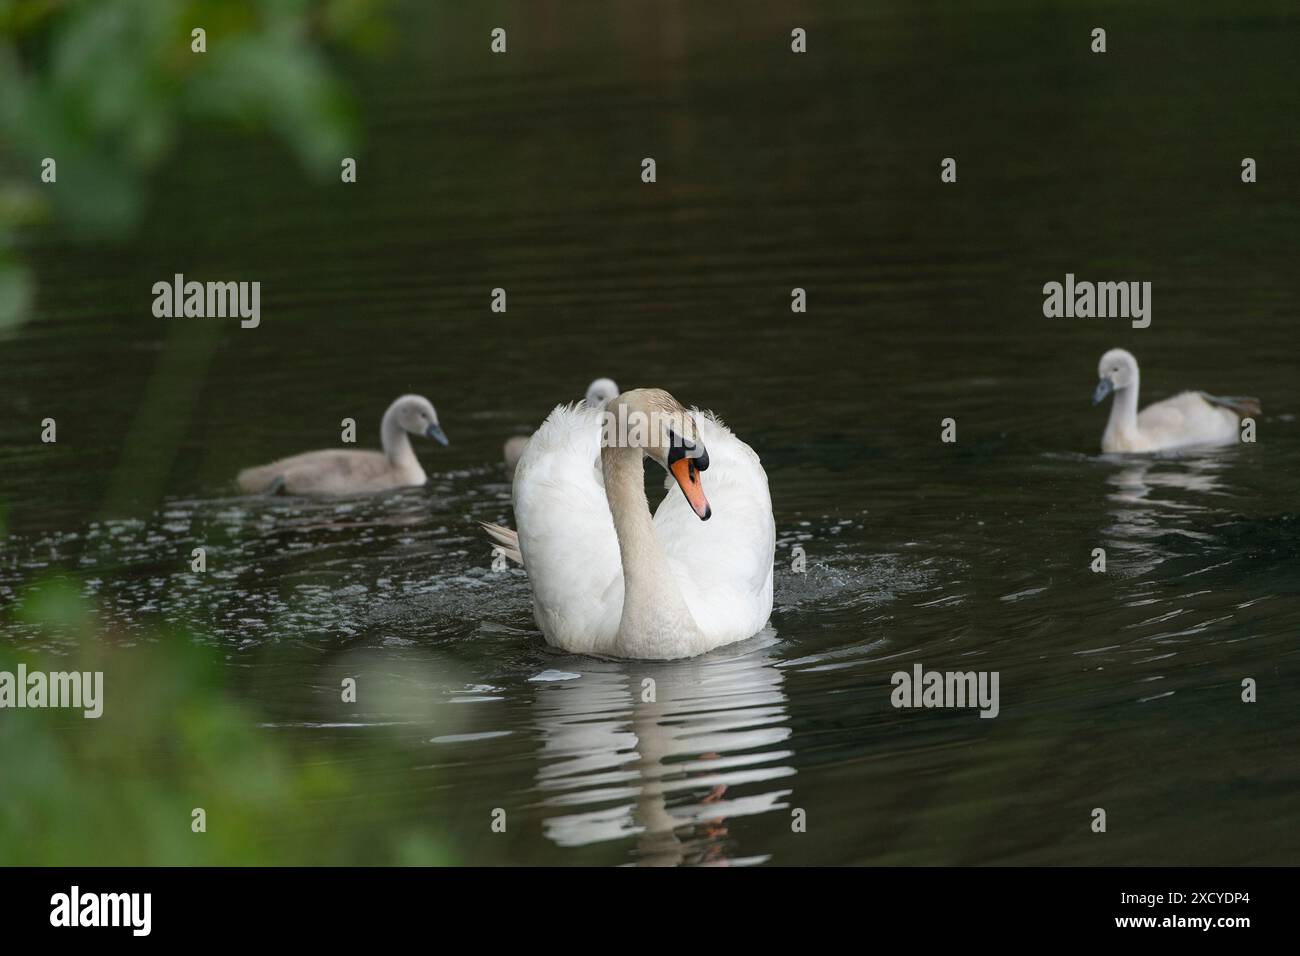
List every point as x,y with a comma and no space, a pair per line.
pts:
599,394
1189,418
338,471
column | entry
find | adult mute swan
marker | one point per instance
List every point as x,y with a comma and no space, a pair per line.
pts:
599,393
1189,418
609,580
346,472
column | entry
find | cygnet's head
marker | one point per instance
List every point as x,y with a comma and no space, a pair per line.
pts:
660,426
416,414
1117,369
601,392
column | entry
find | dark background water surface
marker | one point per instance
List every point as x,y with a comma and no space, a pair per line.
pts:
1118,690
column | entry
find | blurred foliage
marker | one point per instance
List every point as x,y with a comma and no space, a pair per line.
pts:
120,789
105,88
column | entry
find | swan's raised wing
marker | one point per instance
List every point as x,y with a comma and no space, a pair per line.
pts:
724,565
566,533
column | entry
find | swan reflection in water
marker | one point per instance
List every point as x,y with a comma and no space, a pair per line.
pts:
1150,498
667,752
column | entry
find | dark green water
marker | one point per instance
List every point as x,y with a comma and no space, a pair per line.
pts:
1118,690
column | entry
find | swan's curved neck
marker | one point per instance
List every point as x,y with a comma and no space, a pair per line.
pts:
654,613
1123,409
396,441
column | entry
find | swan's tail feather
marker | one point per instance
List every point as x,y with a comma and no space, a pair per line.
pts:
1243,406
505,539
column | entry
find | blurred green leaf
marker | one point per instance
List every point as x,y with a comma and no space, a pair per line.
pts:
121,789
104,87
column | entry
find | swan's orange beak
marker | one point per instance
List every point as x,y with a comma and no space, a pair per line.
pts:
688,479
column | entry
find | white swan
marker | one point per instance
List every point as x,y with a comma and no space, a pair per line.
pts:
346,472
1189,418
609,580
599,394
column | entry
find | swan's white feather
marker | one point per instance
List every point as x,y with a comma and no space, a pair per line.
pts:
1186,419
566,533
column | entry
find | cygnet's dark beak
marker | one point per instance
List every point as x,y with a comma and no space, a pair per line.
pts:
437,434
1104,388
